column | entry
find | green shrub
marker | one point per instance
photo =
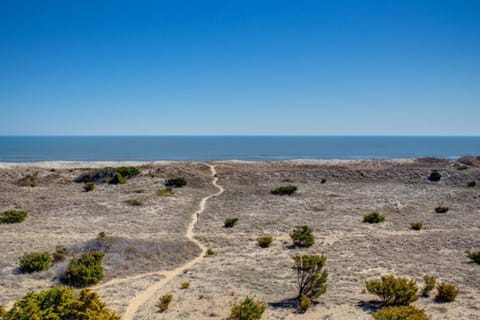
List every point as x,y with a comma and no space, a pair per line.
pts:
441,209
264,241
89,186
86,270
373,217
248,309
434,176
416,225
230,222
311,275
165,192
60,303
127,172
304,304
133,202
210,252
285,190
35,261
401,313
176,182
164,302
471,184
13,216
117,179
60,254
302,236
393,291
185,285
429,284
474,256
446,292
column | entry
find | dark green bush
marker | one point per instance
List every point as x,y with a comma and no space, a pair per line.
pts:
248,309
416,225
89,186
264,241
176,182
109,174
60,303
230,222
434,176
164,302
393,291
86,270
285,190
60,254
128,172
401,313
35,261
373,217
474,256
446,292
430,282
117,179
13,216
302,236
311,275
471,184
441,209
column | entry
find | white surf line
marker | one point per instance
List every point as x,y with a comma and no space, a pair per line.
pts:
144,296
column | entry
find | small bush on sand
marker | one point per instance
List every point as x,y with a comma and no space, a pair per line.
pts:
210,252
393,291
30,180
446,292
430,282
60,303
117,179
416,226
400,313
128,172
434,176
285,190
13,216
185,285
35,261
248,309
441,209
323,180
302,236
474,256
89,186
86,270
165,192
164,302
373,217
311,275
304,304
230,222
60,254
471,184
133,202
264,241
176,182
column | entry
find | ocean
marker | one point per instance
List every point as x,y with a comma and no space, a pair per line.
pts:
255,148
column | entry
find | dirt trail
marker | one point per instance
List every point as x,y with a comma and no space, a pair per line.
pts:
144,296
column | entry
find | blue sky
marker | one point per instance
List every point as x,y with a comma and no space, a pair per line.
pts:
240,67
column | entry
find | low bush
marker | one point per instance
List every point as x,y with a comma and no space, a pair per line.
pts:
86,270
400,313
430,282
393,291
108,175
210,252
117,179
434,176
416,226
373,217
264,241
304,304
13,216
471,184
127,172
89,186
60,303
248,309
60,254
176,182
474,256
446,292
133,202
302,236
164,302
311,275
441,209
285,190
35,261
185,285
230,222
30,180
165,192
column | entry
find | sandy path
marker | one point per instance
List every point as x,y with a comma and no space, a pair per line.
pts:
144,296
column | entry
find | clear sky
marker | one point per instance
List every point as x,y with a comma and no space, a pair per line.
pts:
240,67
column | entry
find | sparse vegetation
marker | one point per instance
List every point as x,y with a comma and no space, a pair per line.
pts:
401,313
393,291
86,270
35,262
13,216
302,236
185,285
164,302
117,179
30,180
373,217
416,226
230,222
60,254
89,186
248,309
127,172
311,275
446,292
304,304
176,182
285,190
165,192
430,282
474,256
60,303
108,175
133,202
434,176
264,241
441,209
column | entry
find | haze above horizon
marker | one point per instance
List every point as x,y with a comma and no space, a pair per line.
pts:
345,68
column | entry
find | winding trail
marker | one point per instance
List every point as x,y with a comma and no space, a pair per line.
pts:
144,296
